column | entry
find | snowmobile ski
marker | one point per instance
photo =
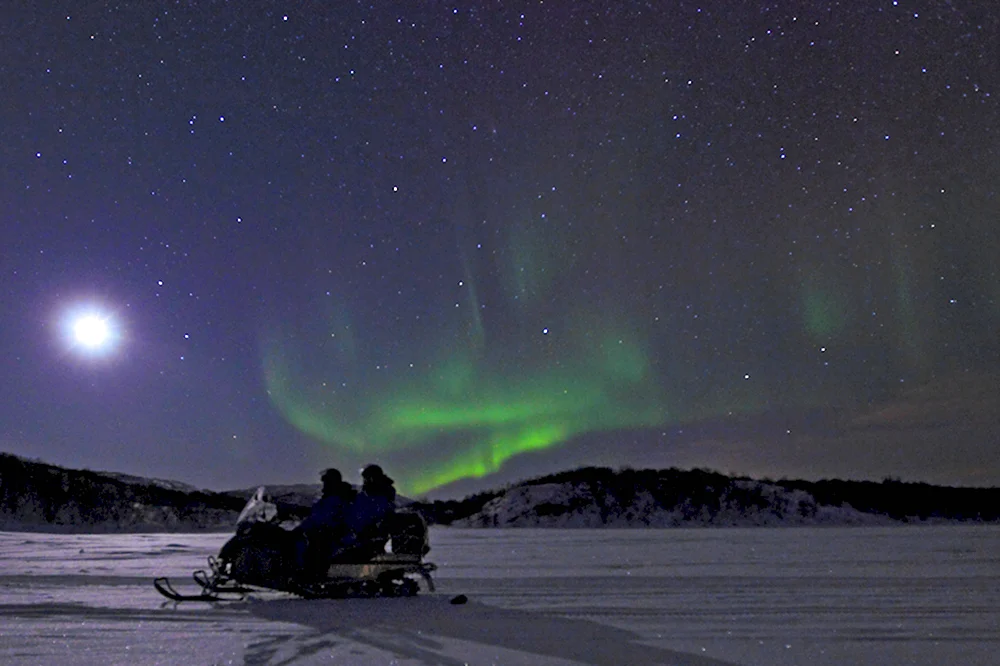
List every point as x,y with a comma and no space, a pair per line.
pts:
214,584
164,587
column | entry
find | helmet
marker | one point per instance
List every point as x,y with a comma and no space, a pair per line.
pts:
372,473
331,476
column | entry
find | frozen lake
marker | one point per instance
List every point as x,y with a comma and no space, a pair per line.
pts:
871,595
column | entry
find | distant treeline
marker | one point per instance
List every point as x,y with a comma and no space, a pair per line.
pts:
702,492
446,512
905,500
37,496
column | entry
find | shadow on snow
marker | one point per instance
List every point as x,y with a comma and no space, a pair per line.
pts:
412,629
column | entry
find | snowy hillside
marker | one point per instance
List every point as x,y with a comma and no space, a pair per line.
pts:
743,503
601,497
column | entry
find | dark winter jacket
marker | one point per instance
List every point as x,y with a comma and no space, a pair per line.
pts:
371,508
331,511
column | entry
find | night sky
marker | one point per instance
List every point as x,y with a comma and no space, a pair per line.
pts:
458,239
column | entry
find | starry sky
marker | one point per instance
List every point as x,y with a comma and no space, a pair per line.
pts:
470,240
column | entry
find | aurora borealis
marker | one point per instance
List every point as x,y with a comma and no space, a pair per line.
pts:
466,417
455,239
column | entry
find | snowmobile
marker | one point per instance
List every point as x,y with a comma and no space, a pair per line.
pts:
265,556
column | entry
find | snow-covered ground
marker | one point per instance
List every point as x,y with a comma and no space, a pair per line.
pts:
861,595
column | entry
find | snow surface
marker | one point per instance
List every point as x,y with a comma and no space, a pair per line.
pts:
833,595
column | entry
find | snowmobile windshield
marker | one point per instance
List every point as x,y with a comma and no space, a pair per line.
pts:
259,509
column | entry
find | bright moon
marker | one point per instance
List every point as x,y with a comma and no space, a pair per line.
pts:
91,331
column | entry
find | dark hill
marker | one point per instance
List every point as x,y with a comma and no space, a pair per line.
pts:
37,496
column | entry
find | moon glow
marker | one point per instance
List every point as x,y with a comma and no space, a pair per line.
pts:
90,332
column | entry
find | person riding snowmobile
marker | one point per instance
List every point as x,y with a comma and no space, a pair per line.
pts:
369,517
326,526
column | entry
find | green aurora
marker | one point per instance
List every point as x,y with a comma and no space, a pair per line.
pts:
464,417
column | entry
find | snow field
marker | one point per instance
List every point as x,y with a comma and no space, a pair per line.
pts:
816,596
